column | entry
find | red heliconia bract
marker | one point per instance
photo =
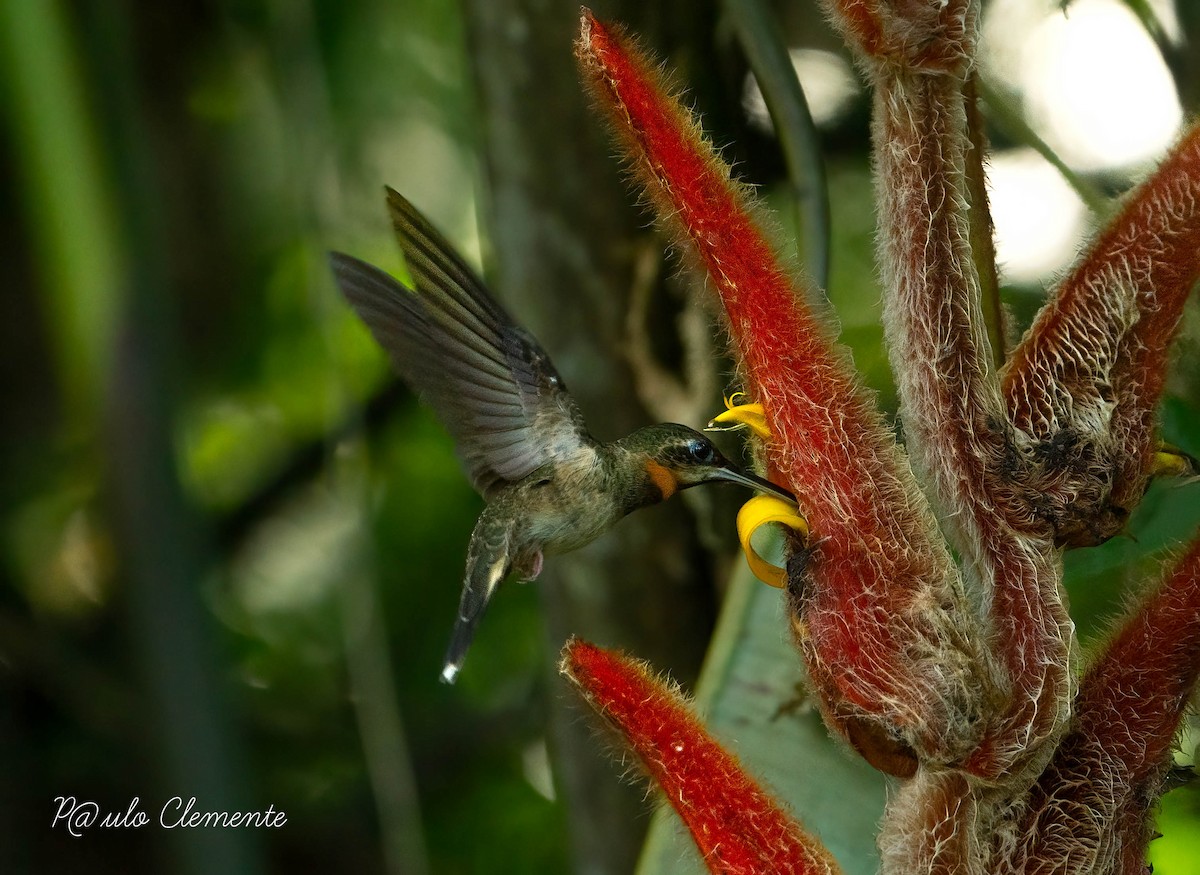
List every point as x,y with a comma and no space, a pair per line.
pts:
738,827
831,447
958,680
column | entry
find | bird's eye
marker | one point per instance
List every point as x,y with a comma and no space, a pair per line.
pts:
702,452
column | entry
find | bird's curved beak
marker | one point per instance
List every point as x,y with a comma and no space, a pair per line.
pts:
735,475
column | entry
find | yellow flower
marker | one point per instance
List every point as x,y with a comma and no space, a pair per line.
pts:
762,508
754,513
736,415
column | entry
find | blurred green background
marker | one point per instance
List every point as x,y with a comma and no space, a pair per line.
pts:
231,545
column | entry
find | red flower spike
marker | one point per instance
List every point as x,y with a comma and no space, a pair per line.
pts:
1083,385
973,710
1088,811
739,829
951,404
879,610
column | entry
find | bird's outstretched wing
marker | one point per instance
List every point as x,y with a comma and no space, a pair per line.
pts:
487,378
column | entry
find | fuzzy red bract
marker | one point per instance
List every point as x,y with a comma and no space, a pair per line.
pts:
1135,692
1090,806
1006,766
875,551
952,407
739,828
1100,344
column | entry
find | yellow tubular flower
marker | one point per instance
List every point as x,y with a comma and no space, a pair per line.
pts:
754,513
1172,462
762,508
741,415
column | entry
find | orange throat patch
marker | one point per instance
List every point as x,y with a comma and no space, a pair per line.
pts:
662,478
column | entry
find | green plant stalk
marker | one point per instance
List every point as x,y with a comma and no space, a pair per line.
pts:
171,632
67,197
784,96
983,243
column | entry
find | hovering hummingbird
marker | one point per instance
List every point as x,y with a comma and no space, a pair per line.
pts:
550,486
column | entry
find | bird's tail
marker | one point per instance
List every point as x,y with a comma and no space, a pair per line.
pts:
488,563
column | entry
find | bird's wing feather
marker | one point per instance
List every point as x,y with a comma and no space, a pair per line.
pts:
487,378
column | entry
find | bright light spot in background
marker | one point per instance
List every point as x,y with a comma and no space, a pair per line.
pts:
1039,219
1094,84
1099,89
828,82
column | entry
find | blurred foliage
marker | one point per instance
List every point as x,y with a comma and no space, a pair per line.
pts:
271,127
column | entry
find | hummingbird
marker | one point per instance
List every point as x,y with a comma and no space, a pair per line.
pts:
549,486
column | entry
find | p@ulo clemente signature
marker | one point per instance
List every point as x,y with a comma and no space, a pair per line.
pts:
77,816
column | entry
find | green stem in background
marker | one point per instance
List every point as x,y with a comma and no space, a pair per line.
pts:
983,243
307,118
131,385
1150,21
373,683
67,200
767,53
1008,119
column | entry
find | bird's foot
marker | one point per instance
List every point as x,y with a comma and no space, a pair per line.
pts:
531,571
